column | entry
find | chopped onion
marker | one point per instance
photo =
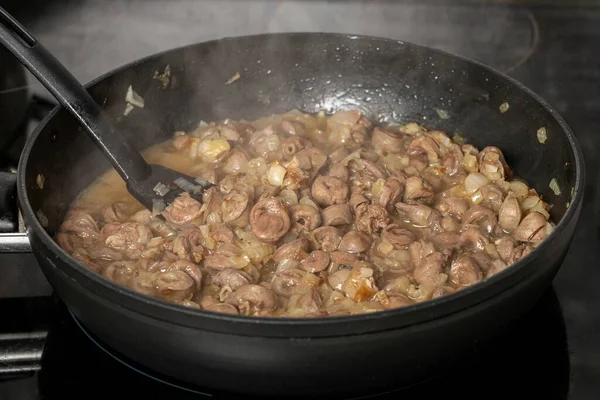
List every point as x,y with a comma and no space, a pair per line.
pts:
288,263
529,202
504,107
443,114
455,191
40,180
204,230
311,280
490,168
128,108
158,206
224,293
133,98
377,186
233,78
541,208
554,186
399,285
412,128
400,255
257,252
474,181
505,186
419,293
244,235
204,130
161,189
335,298
208,241
276,174
289,197
470,163
477,197
394,164
210,149
213,219
257,166
385,247
308,202
458,139
366,272
240,262
541,135
164,77
519,188
490,248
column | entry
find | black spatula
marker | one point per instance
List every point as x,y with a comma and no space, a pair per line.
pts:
152,185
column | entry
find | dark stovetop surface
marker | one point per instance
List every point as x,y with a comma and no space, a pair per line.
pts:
554,353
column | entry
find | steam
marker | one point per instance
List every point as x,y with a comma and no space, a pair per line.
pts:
92,37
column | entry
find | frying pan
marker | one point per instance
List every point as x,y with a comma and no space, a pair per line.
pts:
388,81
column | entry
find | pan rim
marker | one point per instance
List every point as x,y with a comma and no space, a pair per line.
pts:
466,296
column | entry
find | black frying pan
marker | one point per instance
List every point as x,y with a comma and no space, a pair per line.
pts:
387,80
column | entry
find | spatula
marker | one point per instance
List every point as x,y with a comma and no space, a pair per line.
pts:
155,186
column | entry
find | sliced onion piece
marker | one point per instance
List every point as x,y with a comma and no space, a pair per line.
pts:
519,188
474,181
529,202
133,98
276,174
554,186
158,206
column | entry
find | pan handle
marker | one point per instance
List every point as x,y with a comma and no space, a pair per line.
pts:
11,239
73,97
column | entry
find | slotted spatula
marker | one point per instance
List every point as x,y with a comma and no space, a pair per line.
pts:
155,186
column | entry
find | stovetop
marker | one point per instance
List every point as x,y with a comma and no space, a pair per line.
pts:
552,353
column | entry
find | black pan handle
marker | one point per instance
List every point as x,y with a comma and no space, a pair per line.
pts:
70,94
